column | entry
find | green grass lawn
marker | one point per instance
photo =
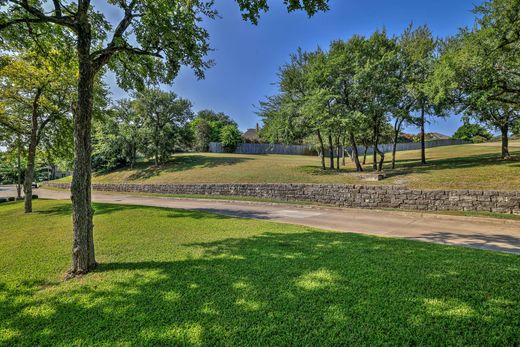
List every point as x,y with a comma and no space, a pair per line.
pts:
171,277
476,166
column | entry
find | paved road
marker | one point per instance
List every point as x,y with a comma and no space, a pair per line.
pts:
484,233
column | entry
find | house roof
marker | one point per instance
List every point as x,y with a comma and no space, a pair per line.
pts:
251,135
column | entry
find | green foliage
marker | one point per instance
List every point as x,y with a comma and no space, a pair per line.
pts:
230,138
153,124
172,277
472,132
478,69
207,127
516,129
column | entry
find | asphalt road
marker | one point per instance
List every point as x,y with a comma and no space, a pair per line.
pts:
476,232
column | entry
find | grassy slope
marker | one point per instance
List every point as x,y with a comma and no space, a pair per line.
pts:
179,277
452,167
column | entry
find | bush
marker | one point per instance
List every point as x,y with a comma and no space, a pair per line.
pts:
34,197
11,198
230,137
3,200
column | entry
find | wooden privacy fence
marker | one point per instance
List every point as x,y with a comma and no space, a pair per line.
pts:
387,147
262,148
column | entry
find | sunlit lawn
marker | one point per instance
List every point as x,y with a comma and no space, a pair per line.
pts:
172,277
452,167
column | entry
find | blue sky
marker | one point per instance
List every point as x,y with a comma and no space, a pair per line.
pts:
248,57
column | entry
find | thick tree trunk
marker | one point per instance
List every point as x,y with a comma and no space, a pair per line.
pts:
83,259
29,172
331,152
423,141
19,170
505,142
322,149
355,155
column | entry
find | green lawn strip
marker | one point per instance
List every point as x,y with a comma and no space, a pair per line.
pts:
481,214
192,278
474,166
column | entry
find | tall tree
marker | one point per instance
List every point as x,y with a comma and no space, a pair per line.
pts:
37,91
479,69
418,47
163,115
153,39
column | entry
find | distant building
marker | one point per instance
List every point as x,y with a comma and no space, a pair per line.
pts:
251,135
436,136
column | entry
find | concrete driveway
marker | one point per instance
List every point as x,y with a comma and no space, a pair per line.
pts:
476,232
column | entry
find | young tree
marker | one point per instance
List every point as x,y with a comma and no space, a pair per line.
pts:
230,137
153,39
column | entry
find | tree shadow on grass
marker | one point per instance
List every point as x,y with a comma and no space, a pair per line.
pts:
496,242
414,165
99,209
276,289
181,163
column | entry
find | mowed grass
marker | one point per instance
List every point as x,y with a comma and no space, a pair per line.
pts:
169,277
476,166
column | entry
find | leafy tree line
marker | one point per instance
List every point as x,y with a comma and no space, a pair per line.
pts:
156,124
349,94
363,91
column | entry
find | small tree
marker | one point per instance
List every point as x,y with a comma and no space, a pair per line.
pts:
230,138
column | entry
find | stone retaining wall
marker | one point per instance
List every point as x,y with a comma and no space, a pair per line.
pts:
340,195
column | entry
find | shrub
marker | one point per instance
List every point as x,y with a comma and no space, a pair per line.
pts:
230,137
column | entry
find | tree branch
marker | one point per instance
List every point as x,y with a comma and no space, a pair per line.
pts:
39,17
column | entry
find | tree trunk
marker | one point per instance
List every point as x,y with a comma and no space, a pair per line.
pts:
19,170
397,130
355,155
381,158
343,151
322,149
365,155
505,142
423,142
83,258
375,143
337,152
29,172
331,152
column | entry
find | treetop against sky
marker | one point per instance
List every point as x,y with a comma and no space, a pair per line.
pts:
247,57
